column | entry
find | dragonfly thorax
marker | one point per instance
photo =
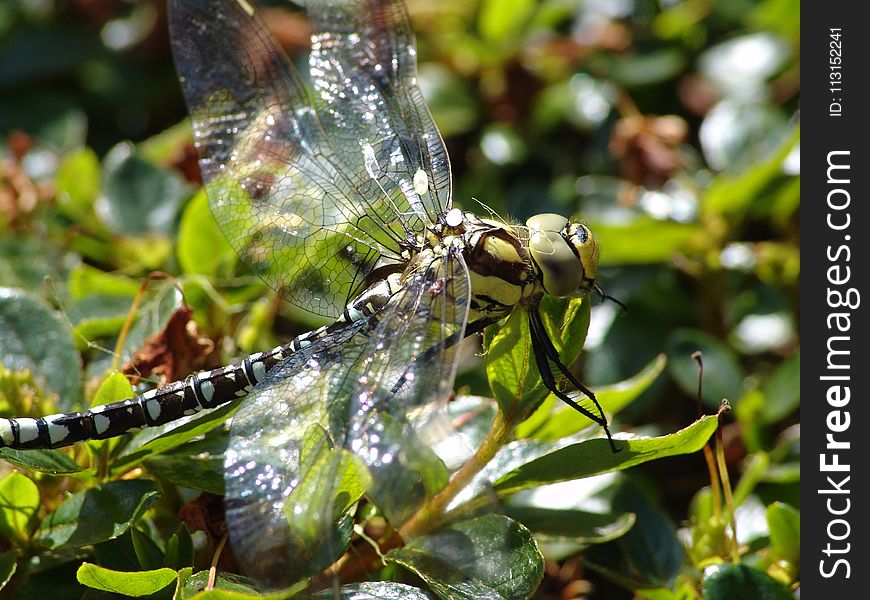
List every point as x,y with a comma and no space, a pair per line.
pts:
565,255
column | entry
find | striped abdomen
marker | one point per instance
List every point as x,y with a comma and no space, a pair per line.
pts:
205,390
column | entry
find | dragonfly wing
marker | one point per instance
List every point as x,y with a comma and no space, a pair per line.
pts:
278,433
357,411
313,194
396,414
364,72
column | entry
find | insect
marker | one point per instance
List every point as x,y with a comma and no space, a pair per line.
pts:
337,191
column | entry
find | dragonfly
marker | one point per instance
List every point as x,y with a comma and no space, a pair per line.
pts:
336,189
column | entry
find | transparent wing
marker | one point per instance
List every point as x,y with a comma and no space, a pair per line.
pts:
396,413
313,194
353,413
364,71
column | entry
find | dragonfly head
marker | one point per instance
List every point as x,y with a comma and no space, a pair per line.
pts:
565,254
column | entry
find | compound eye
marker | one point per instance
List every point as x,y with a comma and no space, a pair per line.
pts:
546,222
586,247
561,272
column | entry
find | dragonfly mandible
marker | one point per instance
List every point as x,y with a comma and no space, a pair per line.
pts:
337,191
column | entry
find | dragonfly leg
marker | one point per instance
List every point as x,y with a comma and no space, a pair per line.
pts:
545,355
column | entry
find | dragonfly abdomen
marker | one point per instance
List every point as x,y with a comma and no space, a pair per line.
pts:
205,390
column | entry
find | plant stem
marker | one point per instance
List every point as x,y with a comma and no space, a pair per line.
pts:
430,515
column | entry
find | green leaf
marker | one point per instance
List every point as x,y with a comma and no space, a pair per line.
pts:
723,375
148,553
593,457
52,462
643,68
138,197
179,548
57,583
27,262
203,472
555,419
486,557
202,248
114,388
98,514
566,322
231,595
510,366
736,193
19,503
219,594
85,281
97,316
78,184
784,525
227,586
119,554
503,20
156,440
650,550
8,566
334,484
571,524
315,446
136,584
167,147
781,395
33,337
662,240
731,582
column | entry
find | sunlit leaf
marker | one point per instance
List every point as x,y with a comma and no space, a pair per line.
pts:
201,247
19,501
595,456
198,464
179,548
781,395
662,240
500,20
135,584
52,462
97,514
85,281
784,524
114,388
487,557
228,586
33,337
735,193
78,185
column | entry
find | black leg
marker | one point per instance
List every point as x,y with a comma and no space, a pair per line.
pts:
545,355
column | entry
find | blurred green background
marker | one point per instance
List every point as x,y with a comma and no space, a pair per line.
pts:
670,127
